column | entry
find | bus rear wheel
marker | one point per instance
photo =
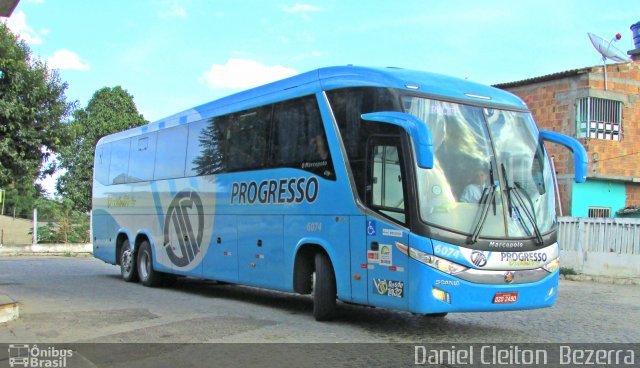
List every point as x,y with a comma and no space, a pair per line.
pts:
128,263
148,276
324,289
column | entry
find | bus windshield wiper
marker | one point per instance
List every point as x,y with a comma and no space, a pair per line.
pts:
488,196
517,191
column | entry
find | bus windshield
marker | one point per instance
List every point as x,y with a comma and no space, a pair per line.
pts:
490,174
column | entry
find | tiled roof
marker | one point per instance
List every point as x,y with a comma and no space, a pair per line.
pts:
544,78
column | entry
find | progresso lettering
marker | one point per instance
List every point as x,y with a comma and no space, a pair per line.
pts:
524,257
272,191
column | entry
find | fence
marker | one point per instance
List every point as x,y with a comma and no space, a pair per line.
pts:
19,231
601,246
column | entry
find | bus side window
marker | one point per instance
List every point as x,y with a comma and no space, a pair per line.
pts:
205,150
386,180
247,139
119,165
101,166
298,138
142,156
171,153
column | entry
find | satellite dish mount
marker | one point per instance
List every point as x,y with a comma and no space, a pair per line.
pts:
608,51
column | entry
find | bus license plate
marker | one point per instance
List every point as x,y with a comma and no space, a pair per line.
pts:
505,298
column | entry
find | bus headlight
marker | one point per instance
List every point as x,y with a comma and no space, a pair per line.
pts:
552,266
436,262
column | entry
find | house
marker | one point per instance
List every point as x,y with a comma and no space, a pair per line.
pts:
605,119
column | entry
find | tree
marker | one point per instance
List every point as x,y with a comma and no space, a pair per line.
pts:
63,224
211,159
33,108
110,110
20,198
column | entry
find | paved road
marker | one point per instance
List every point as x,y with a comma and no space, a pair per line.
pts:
84,300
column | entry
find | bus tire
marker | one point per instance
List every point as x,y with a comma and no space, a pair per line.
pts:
148,276
128,268
324,289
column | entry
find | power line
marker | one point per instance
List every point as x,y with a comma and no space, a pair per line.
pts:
612,158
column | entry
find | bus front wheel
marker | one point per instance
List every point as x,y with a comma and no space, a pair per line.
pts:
324,289
128,263
148,276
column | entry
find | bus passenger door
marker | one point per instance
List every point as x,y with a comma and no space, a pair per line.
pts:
387,238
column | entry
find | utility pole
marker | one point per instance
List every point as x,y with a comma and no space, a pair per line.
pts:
35,226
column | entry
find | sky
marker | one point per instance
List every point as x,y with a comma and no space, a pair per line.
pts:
172,55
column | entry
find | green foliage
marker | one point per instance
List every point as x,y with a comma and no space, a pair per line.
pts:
567,271
110,110
210,161
20,198
64,224
32,111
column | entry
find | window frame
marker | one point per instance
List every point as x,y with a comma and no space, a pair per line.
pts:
377,140
599,118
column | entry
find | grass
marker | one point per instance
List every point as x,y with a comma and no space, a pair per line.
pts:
567,271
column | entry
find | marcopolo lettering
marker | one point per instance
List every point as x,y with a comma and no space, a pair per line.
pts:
523,257
275,191
495,244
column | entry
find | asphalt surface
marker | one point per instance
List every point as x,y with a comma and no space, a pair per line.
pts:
66,299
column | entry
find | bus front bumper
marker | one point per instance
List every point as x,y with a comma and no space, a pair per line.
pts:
433,291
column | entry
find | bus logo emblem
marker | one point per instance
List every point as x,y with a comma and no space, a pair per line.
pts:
181,240
478,258
508,277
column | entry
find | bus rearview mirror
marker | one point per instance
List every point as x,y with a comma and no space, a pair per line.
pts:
416,128
581,160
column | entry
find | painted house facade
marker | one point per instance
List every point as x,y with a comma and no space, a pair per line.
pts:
606,120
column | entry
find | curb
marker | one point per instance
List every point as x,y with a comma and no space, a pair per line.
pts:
46,249
602,279
9,309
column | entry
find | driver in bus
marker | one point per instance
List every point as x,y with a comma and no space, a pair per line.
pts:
473,192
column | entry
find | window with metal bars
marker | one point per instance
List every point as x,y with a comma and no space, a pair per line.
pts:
599,118
599,212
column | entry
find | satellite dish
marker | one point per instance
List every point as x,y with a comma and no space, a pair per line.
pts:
608,51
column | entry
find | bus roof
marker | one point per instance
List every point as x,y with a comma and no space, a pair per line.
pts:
431,84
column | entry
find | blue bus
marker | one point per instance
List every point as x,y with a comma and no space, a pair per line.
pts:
376,186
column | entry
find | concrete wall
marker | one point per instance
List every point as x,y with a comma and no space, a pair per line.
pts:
46,249
600,247
602,264
15,231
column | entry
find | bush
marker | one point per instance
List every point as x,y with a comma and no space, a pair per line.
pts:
567,271
65,225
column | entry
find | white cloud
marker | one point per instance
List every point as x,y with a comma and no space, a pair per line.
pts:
301,8
172,9
45,31
243,73
18,25
175,12
65,59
